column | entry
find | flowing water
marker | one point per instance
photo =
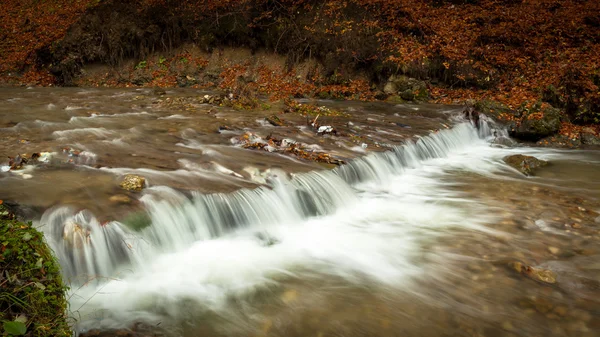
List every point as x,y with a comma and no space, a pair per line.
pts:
421,239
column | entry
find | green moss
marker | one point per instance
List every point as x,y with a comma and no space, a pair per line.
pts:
31,287
492,108
137,221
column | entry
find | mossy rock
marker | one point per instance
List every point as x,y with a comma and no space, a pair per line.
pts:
31,287
536,123
524,164
407,88
137,221
561,141
492,109
133,183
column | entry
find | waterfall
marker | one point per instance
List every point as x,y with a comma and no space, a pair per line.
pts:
85,247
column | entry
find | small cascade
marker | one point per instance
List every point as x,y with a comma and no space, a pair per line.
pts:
379,166
85,247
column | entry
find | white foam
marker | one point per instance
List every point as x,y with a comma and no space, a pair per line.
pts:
97,132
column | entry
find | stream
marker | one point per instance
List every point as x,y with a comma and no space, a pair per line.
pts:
424,232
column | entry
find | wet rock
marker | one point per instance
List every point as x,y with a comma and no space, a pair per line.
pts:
537,274
536,123
326,129
274,120
407,88
266,239
472,114
224,128
272,144
589,137
185,81
560,141
18,162
524,164
120,199
75,234
492,109
133,183
159,91
553,250
212,99
501,141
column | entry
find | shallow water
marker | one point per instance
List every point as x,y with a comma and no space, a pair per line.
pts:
417,241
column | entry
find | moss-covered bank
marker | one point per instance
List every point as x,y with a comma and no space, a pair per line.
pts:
32,294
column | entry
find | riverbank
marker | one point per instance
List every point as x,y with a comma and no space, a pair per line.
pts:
442,51
32,294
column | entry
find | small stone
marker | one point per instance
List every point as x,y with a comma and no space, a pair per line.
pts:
516,266
576,225
133,183
561,311
120,199
553,250
274,120
543,275
474,267
507,326
289,296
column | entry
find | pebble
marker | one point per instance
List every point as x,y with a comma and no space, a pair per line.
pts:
120,199
553,250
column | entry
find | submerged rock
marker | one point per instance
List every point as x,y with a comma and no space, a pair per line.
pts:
133,183
524,164
537,274
120,199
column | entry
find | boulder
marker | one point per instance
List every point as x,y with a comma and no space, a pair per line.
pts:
524,164
133,183
560,141
407,88
536,123
589,137
492,109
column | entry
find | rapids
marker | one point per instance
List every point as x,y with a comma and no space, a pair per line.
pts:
417,240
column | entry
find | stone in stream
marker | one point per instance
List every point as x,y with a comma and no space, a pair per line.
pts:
119,199
133,183
537,274
524,164
274,120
